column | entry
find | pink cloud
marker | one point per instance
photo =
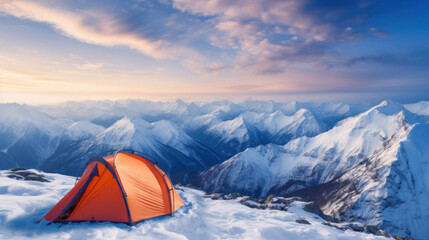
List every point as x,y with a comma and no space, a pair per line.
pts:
105,29
248,27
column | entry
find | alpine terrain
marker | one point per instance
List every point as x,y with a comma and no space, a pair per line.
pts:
359,163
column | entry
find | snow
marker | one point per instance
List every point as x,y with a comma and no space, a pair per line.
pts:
301,123
22,117
382,152
142,135
315,159
391,186
224,127
420,108
251,129
120,133
164,141
21,125
24,202
283,147
84,129
228,130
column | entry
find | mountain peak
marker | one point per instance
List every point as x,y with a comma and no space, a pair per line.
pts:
122,125
84,128
249,117
127,125
277,114
389,107
303,112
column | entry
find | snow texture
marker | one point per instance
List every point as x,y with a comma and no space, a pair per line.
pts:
194,136
24,202
369,164
377,161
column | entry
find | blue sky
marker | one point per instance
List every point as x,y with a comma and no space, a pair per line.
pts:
351,51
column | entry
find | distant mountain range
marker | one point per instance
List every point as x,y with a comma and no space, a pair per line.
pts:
183,137
359,162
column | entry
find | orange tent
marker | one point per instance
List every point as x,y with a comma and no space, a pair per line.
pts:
123,187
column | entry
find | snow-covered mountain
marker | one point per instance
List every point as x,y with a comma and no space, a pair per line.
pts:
372,167
30,138
175,151
360,163
185,137
251,129
83,129
320,158
27,136
24,202
107,112
389,189
420,108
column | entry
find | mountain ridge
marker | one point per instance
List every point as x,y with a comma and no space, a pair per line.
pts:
365,163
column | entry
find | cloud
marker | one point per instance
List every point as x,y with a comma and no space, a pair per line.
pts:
405,60
89,66
94,27
198,67
261,37
26,79
270,35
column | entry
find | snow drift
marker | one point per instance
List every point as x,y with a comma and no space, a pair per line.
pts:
24,202
368,164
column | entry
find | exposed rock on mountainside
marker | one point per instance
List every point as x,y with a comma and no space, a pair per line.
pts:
26,175
371,168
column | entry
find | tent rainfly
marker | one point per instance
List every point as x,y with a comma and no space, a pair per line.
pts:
123,187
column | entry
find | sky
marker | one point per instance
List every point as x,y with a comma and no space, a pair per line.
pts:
195,50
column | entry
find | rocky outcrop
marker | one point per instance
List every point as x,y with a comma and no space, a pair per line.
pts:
273,202
26,175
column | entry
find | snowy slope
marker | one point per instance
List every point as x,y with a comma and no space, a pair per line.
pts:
372,167
389,189
106,113
22,203
60,138
251,129
158,138
21,127
304,162
176,152
29,137
420,108
83,129
32,139
205,122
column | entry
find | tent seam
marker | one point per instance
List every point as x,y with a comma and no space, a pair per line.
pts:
168,189
118,180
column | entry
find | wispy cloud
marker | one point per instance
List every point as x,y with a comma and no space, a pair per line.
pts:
412,59
198,67
270,35
94,27
262,37
296,45
89,66
26,79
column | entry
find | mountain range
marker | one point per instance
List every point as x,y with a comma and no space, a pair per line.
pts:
358,162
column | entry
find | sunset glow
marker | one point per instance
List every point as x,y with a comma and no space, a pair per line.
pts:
52,51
